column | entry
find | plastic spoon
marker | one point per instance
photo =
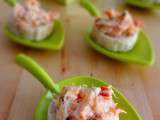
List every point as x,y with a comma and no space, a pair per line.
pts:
54,41
46,100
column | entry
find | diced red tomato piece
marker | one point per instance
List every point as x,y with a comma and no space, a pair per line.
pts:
105,94
104,88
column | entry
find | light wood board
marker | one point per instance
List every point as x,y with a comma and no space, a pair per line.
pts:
20,92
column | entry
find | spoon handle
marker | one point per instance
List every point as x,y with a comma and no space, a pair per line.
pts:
90,7
36,70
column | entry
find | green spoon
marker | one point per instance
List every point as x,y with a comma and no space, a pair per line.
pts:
143,4
46,100
142,53
53,42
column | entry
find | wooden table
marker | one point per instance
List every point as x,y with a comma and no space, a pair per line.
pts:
20,92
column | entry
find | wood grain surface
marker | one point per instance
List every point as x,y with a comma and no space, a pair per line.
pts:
20,92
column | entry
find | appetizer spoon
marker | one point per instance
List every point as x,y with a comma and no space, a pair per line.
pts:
46,100
54,41
142,53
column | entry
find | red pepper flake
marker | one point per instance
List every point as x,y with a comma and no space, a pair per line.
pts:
104,94
104,88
